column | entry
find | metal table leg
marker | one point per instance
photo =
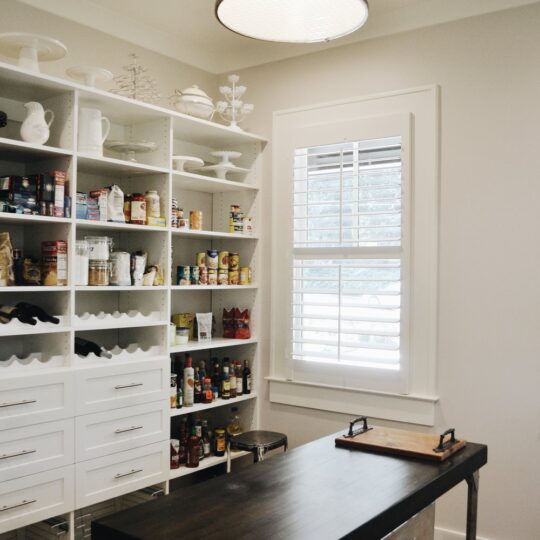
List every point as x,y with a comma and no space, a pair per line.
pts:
472,504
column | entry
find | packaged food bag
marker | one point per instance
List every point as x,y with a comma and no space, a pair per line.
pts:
241,324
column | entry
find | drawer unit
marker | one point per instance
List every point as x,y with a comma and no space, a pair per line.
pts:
32,399
36,497
31,449
110,476
104,388
104,433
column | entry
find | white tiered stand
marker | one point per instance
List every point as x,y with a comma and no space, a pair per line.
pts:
69,420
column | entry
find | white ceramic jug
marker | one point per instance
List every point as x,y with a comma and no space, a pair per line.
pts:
93,130
35,128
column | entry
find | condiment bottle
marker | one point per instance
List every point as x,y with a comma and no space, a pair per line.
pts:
234,427
193,450
207,391
189,394
219,442
246,379
206,439
197,386
225,384
232,378
239,386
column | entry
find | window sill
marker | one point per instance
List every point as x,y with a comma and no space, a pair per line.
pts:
410,408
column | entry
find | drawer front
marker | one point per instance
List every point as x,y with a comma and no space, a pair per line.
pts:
105,388
36,497
100,434
33,399
110,476
31,449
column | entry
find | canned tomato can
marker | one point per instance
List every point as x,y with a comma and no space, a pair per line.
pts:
203,275
194,275
223,259
182,275
233,277
245,277
200,258
196,220
212,259
223,277
212,276
234,261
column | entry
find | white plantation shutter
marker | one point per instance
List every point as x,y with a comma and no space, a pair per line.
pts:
348,254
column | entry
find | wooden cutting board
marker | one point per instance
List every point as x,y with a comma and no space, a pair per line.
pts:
402,443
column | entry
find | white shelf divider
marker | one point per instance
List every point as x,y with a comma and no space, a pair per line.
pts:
215,343
199,182
211,461
190,233
201,407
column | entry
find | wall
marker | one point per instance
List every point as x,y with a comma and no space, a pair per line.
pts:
88,47
489,292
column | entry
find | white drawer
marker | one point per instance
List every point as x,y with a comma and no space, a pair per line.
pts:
110,476
31,449
104,433
36,497
114,386
32,399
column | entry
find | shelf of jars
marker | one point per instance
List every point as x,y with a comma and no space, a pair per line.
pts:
202,407
206,463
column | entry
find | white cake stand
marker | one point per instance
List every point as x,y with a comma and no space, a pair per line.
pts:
226,156
181,162
89,75
31,49
130,148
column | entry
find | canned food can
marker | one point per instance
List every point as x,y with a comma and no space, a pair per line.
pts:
245,277
183,223
212,259
223,277
247,226
235,208
174,213
196,220
194,275
182,275
203,275
233,277
223,260
234,261
200,258
212,276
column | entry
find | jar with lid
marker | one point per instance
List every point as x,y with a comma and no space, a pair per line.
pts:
81,262
182,335
120,268
98,273
138,209
99,247
153,209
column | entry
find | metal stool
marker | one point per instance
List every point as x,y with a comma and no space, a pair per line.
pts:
258,442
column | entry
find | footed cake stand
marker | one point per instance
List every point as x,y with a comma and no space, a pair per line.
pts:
31,49
89,75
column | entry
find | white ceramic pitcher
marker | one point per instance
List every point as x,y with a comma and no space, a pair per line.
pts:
35,128
93,130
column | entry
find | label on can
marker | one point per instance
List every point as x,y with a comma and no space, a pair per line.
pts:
212,276
194,275
212,259
234,261
203,275
224,260
233,277
244,275
200,258
182,275
196,220
223,277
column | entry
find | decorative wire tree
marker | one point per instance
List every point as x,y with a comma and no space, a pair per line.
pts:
136,84
233,110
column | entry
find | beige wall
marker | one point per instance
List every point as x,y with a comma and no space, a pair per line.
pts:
88,47
489,315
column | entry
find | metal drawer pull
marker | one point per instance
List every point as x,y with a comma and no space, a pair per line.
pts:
22,402
23,503
120,386
21,453
132,428
133,471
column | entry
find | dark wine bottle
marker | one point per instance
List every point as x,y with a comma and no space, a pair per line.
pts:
12,312
31,310
85,347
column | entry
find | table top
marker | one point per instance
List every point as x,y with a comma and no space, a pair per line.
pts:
313,491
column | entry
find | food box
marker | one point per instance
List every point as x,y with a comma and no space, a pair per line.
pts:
54,263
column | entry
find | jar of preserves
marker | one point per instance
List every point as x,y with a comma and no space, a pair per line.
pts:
127,207
219,442
153,209
138,209
98,273
196,220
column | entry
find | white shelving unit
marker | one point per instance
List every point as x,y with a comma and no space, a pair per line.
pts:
45,388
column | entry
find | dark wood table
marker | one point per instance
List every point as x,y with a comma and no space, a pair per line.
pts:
316,491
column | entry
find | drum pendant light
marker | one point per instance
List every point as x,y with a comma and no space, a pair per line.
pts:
292,21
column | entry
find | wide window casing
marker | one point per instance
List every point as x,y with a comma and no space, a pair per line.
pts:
355,201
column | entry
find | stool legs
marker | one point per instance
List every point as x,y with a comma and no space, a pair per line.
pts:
259,455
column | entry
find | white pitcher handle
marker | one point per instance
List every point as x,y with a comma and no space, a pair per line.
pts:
107,127
52,117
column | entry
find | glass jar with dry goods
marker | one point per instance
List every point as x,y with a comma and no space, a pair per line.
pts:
98,273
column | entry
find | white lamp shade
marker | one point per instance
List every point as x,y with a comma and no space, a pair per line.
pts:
292,21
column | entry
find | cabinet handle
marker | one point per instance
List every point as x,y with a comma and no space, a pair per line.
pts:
21,453
13,403
133,471
132,428
24,502
131,385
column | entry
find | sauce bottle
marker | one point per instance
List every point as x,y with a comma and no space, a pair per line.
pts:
189,394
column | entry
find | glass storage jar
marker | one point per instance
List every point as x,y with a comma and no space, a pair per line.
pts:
98,273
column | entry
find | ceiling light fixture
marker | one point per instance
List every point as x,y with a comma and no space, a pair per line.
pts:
292,21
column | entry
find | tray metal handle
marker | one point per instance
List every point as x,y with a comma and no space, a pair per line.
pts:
445,445
354,432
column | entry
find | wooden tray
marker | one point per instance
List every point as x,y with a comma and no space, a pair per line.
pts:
400,442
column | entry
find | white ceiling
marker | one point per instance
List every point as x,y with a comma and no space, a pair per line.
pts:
187,30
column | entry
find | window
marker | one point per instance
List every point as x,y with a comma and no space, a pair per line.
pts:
354,256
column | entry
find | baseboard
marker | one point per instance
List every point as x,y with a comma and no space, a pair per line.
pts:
447,534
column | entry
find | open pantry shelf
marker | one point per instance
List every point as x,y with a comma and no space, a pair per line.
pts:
16,328
202,407
23,218
189,233
14,149
198,182
120,288
34,288
215,343
109,165
205,464
111,226
213,287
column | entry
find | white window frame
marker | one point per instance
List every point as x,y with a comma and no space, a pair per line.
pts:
416,112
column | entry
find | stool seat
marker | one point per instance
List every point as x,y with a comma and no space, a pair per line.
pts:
259,442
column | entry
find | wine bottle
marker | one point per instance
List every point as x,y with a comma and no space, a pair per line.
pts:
7,313
36,312
85,347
